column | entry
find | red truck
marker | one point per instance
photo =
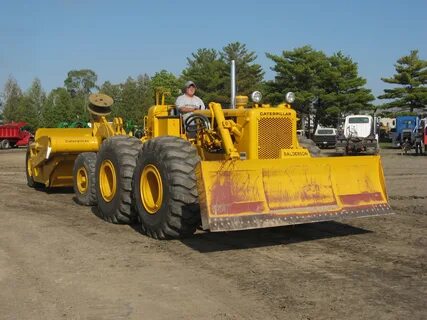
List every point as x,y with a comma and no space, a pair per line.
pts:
13,135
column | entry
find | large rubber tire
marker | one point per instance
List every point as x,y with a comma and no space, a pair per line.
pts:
84,178
165,188
30,181
310,145
115,164
5,144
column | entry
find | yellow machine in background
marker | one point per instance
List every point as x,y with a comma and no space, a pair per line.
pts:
51,156
226,169
62,157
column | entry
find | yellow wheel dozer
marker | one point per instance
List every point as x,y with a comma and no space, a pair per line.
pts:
244,168
223,169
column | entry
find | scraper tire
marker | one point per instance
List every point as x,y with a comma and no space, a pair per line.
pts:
84,178
114,169
165,188
310,146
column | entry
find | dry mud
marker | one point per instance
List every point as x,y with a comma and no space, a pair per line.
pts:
58,260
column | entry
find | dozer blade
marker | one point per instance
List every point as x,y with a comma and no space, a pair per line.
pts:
248,194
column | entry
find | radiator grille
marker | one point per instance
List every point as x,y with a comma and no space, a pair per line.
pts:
273,134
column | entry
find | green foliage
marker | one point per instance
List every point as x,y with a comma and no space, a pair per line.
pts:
327,87
36,98
131,99
210,70
57,108
206,70
81,81
12,101
27,112
411,79
166,82
344,89
249,75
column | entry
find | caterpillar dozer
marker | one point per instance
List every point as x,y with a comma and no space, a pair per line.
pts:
221,169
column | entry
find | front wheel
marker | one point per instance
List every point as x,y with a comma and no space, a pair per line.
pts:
165,188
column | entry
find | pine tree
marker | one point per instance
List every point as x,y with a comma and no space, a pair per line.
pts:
327,87
249,75
12,101
36,98
411,82
57,108
344,91
206,69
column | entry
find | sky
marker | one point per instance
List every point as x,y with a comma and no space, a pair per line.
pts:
118,39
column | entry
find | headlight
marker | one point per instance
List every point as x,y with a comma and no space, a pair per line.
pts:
256,96
290,97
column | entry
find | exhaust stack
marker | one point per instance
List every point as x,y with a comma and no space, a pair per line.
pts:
233,84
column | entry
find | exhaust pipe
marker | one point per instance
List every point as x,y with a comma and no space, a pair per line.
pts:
233,84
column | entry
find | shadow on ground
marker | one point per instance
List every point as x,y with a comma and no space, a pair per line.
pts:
206,242
222,241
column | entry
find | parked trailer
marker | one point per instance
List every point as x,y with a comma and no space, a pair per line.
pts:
12,135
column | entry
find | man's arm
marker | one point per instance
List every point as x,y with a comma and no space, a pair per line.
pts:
185,109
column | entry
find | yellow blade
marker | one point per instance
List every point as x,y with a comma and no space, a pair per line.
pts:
246,194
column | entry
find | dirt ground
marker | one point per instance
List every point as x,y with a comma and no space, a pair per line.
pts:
58,260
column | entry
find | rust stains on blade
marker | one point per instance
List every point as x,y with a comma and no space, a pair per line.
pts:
358,199
235,192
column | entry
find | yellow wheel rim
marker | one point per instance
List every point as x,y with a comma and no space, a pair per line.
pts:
82,180
151,189
107,180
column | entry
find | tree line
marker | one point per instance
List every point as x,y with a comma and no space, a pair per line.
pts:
327,87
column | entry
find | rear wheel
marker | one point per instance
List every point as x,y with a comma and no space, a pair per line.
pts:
84,178
165,188
5,144
115,164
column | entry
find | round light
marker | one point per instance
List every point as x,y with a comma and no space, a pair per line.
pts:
290,97
256,96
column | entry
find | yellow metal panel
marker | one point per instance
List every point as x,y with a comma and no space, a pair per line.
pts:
62,174
169,127
260,193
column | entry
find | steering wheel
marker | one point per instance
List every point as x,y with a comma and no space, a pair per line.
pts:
196,122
